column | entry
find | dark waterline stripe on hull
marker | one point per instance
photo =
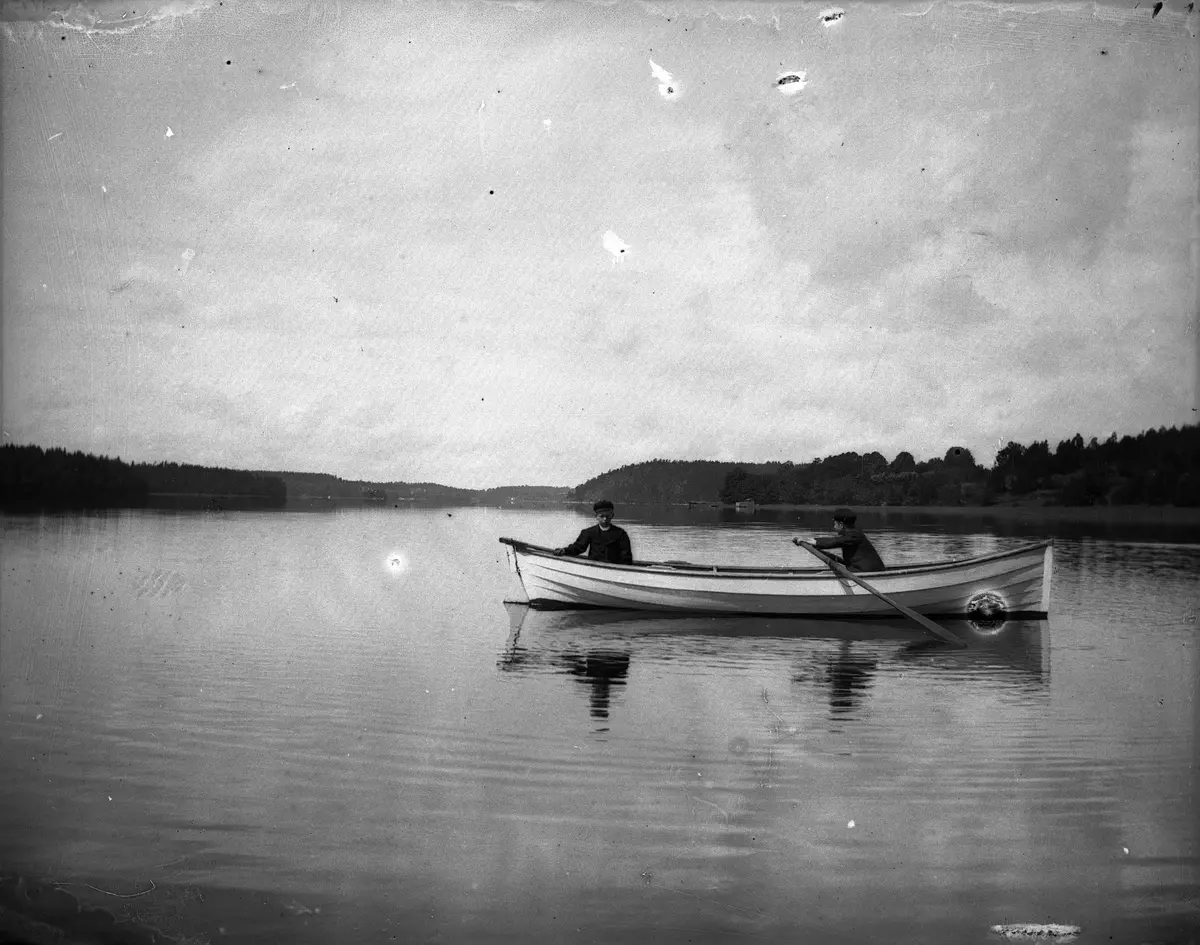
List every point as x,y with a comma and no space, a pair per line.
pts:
544,603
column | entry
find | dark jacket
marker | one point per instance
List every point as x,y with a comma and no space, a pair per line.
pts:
858,553
612,545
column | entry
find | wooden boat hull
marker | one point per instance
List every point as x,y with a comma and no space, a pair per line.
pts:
1015,583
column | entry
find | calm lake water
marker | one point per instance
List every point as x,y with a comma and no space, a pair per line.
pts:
298,727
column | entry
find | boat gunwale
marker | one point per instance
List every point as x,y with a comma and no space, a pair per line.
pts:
953,564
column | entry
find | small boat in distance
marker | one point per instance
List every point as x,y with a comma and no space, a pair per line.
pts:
1012,583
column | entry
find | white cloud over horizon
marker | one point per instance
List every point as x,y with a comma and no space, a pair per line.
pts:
364,251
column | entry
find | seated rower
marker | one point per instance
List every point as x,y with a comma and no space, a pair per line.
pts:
858,554
603,541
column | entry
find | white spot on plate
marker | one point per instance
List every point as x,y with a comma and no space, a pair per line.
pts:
666,85
57,134
290,85
397,562
546,122
832,15
789,83
187,256
103,189
170,133
614,244
39,718
851,824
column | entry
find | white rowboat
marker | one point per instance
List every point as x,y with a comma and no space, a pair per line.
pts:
1014,583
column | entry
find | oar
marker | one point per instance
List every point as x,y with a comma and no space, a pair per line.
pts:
842,571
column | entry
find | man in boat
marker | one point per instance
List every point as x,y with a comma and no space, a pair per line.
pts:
603,541
858,554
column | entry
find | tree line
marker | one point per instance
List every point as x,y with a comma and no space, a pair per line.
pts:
31,475
1156,467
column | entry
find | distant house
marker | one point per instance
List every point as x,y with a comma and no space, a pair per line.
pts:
745,504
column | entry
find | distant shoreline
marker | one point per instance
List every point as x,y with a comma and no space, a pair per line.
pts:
1106,514
1133,514
1117,514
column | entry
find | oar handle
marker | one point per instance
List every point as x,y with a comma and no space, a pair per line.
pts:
828,559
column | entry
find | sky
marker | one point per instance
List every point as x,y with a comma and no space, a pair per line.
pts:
490,244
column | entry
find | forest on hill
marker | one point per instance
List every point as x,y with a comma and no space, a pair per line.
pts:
322,485
302,485
57,478
31,475
1156,467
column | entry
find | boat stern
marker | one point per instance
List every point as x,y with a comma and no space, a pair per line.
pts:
1047,574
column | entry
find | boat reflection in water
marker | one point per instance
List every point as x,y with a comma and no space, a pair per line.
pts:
600,671
843,659
598,666
848,677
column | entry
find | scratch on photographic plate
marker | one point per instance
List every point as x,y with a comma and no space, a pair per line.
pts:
757,913
924,12
90,19
479,115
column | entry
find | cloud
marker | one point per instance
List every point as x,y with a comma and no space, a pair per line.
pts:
399,273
